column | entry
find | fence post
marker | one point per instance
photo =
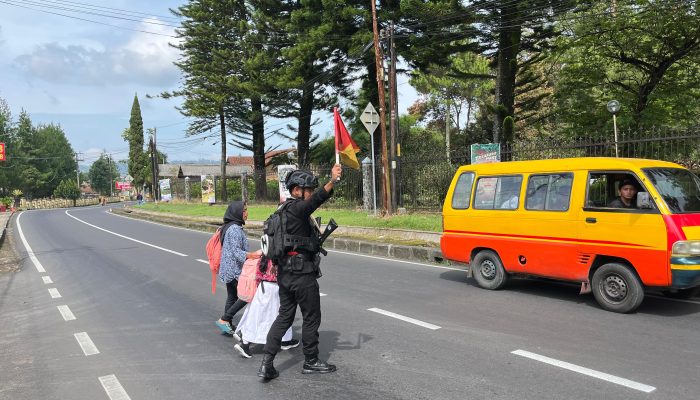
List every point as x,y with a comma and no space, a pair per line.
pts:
244,186
368,197
187,188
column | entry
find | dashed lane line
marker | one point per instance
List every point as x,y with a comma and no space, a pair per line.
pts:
203,261
86,343
47,280
127,237
66,313
586,371
54,293
404,318
30,252
114,389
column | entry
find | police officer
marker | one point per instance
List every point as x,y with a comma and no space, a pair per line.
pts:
298,272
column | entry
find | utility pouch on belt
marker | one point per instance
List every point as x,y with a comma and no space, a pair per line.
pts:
302,264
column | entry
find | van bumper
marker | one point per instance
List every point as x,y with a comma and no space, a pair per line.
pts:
685,272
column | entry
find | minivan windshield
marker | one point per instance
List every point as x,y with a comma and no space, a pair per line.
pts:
679,188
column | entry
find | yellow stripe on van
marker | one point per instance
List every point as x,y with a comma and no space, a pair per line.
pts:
692,232
686,267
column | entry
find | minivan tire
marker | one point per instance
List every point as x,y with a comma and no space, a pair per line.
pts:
617,288
488,271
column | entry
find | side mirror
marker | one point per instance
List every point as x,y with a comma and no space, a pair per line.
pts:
644,201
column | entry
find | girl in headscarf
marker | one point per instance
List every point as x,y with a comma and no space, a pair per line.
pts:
234,251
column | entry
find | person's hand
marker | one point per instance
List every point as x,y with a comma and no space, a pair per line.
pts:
336,172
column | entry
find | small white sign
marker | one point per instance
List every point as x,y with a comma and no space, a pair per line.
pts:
370,118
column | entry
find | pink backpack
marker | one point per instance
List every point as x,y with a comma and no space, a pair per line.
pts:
246,282
214,256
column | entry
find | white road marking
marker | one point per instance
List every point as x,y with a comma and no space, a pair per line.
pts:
86,343
586,371
30,252
66,313
203,261
114,389
161,224
322,294
54,293
126,237
46,279
404,318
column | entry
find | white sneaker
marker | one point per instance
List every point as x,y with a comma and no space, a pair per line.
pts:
290,344
243,349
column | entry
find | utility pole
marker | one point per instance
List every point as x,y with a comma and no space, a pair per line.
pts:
394,121
111,183
386,190
153,167
78,158
447,131
155,156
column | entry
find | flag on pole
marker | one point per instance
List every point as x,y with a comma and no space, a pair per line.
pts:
345,148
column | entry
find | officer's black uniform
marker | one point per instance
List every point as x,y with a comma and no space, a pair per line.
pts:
299,288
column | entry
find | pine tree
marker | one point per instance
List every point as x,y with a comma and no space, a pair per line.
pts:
134,135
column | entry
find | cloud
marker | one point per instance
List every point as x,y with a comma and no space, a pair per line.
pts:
145,59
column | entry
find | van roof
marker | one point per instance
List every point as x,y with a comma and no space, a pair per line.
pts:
567,164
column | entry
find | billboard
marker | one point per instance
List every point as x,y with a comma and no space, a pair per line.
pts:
485,153
122,185
2,151
282,172
165,194
208,193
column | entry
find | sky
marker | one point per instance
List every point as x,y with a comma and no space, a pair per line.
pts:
83,75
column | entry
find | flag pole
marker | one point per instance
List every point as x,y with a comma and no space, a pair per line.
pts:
337,155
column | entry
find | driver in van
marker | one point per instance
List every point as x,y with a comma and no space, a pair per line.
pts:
628,194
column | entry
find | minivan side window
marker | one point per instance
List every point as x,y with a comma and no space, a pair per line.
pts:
498,193
550,192
613,191
463,191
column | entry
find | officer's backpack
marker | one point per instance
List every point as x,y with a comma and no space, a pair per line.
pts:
272,241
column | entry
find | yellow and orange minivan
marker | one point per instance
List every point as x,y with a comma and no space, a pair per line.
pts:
567,219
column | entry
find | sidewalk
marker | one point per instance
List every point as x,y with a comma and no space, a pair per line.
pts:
388,243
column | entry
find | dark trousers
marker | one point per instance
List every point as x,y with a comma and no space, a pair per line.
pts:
301,290
233,303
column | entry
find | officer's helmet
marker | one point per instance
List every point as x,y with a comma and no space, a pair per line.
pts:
303,179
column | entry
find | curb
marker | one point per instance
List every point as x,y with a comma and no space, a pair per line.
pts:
3,226
409,253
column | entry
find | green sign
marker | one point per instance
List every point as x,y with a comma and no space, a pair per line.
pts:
485,153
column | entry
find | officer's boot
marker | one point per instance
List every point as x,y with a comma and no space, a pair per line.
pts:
267,371
314,365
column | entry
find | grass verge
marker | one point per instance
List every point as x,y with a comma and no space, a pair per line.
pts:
417,221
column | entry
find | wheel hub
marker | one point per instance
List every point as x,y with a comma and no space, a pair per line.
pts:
615,288
488,269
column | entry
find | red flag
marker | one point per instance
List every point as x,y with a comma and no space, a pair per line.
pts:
345,147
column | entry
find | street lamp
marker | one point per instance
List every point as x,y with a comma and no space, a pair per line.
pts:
614,108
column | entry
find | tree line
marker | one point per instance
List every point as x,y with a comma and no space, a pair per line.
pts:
487,70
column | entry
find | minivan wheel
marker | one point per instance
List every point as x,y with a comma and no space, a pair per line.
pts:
616,288
488,271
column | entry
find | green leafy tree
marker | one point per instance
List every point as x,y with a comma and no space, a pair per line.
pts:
54,159
103,173
67,189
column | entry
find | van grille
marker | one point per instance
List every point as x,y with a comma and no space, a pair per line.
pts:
584,259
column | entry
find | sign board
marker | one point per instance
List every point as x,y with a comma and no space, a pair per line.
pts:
485,153
165,194
2,151
122,185
208,193
370,118
282,172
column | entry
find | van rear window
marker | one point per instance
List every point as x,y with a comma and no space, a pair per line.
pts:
463,191
498,193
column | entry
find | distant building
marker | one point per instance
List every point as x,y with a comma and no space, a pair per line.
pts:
195,171
270,158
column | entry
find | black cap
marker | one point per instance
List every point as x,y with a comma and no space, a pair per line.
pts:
628,181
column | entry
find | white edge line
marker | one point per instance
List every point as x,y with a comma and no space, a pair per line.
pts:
66,313
586,371
203,261
114,389
404,318
30,252
47,280
126,237
159,223
86,344
54,293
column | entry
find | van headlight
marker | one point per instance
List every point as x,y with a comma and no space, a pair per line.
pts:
686,248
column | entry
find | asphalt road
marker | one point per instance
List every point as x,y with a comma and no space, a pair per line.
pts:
144,315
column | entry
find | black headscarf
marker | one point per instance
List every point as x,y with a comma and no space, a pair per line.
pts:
233,215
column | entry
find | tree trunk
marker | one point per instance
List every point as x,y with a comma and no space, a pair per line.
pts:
306,108
509,37
222,122
259,175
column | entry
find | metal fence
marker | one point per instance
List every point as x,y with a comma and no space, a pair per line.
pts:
423,182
